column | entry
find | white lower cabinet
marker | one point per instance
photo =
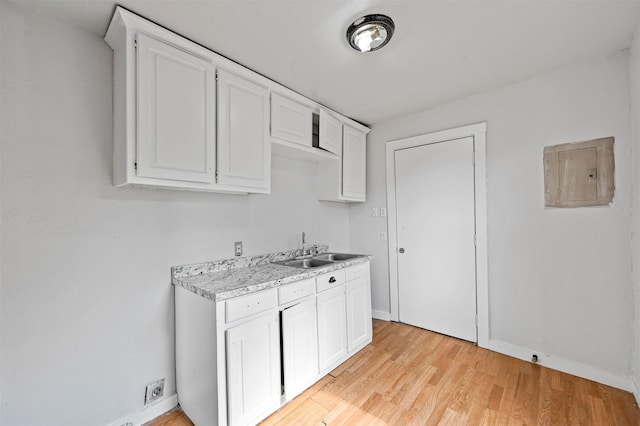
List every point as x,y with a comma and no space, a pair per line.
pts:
253,365
359,326
332,330
299,347
239,360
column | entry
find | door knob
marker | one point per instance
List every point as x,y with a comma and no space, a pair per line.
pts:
401,250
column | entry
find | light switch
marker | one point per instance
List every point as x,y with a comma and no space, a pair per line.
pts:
383,211
374,211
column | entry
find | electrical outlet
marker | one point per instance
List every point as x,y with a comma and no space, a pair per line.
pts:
383,211
374,211
154,391
237,248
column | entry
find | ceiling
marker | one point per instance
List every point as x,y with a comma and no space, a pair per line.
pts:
441,50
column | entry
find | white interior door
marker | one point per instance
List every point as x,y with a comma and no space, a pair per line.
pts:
435,217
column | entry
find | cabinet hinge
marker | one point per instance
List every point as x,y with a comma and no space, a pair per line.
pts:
135,43
135,165
216,175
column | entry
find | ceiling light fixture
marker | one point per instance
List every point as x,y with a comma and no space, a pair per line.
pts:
371,32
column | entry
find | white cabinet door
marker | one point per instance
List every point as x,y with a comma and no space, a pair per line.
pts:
359,325
300,347
330,133
176,106
290,121
354,164
253,368
244,147
332,330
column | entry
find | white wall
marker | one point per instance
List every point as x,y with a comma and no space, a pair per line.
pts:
635,225
86,313
1,126
559,279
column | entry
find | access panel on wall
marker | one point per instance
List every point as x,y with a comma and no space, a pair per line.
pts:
579,174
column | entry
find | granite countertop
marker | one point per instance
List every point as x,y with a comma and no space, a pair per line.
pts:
225,279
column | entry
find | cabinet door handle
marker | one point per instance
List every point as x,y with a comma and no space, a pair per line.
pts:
332,280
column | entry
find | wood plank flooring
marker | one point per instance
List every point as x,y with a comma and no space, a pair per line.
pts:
409,376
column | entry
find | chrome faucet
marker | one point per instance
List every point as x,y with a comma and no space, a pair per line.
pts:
312,251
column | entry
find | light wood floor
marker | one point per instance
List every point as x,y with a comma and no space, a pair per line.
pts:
409,376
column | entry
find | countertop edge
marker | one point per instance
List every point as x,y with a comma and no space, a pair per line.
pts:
297,274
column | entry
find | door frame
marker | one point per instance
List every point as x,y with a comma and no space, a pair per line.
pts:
478,133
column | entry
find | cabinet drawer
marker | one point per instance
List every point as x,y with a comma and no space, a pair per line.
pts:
357,271
244,306
330,280
296,290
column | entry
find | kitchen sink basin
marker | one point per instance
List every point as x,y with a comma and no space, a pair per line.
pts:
317,261
335,257
305,263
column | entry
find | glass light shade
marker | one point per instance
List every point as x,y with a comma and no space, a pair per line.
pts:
370,32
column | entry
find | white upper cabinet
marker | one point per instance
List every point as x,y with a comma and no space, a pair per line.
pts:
344,179
176,127
165,111
176,95
354,163
290,120
244,147
330,133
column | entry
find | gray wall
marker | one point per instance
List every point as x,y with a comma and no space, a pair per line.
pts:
559,280
635,223
86,313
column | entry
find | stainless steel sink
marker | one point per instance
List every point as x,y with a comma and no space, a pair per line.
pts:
317,261
305,263
335,257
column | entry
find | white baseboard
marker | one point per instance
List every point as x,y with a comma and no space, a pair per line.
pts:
148,413
381,315
565,365
636,390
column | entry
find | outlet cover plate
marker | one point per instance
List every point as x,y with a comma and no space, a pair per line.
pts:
154,391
